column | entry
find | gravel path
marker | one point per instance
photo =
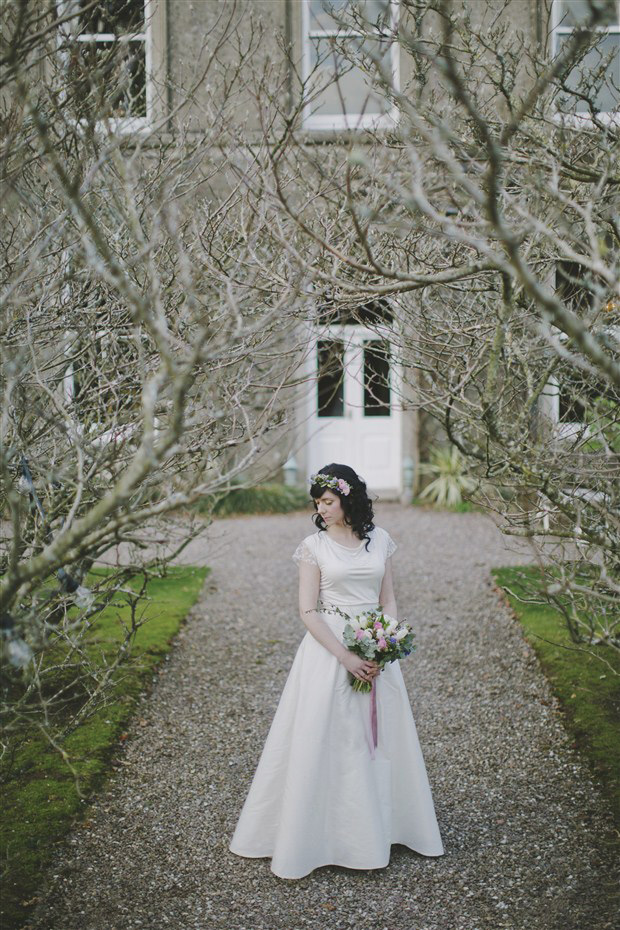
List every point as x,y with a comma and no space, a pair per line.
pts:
525,830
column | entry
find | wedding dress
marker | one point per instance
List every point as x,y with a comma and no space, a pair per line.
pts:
322,794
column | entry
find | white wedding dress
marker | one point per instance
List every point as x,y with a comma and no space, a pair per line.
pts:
318,796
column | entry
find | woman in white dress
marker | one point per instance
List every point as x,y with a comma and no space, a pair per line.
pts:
323,793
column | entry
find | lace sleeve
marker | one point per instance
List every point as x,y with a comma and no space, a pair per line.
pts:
303,554
391,546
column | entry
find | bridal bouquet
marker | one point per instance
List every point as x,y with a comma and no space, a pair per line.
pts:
375,635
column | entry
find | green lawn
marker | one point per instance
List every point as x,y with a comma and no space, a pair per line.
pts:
587,688
41,799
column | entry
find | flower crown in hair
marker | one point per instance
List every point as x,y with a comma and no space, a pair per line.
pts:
329,481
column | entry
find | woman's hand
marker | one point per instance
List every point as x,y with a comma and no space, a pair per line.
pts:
364,669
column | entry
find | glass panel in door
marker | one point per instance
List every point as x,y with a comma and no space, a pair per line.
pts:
330,378
376,378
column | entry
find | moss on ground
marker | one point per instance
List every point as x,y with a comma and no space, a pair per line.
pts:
585,680
41,796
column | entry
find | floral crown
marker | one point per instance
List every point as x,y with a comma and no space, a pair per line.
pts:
330,481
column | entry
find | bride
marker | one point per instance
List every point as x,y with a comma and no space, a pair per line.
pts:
329,788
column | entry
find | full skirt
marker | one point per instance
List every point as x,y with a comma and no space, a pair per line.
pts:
318,796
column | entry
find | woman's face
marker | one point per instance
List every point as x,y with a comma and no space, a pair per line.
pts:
330,508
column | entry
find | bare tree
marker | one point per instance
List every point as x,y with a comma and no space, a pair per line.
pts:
486,212
145,350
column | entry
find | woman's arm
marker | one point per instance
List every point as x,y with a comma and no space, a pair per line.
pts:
309,583
387,598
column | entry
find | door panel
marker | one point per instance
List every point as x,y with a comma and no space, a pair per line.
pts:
376,451
353,417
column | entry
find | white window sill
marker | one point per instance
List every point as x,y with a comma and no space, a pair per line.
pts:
350,123
130,125
584,120
116,435
570,432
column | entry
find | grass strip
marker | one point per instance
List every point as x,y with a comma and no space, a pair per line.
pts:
41,801
588,689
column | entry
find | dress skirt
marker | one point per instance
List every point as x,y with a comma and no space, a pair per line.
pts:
318,796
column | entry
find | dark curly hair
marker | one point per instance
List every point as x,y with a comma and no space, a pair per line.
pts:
357,506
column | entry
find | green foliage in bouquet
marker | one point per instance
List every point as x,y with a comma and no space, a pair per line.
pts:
375,635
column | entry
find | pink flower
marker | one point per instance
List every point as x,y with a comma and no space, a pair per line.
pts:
343,486
382,643
359,634
378,625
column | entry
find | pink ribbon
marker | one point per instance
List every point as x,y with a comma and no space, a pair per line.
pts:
373,718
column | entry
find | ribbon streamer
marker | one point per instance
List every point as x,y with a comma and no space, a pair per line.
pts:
373,718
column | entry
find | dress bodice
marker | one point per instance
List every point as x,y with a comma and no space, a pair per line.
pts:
350,577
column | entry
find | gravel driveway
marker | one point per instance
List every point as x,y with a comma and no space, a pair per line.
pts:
526,831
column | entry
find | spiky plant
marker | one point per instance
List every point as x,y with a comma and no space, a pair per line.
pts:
451,482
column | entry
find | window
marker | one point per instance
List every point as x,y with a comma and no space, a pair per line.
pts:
340,39
330,378
374,313
105,364
603,57
376,378
586,410
570,286
108,59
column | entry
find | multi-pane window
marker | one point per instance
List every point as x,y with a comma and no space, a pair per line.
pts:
582,406
108,64
105,364
345,42
373,313
603,57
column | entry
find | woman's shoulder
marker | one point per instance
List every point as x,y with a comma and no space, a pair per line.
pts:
383,538
377,532
312,539
306,551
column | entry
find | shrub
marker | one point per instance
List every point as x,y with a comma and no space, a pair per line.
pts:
264,498
451,482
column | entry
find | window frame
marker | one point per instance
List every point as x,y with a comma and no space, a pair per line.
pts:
557,29
125,124
564,430
115,434
344,121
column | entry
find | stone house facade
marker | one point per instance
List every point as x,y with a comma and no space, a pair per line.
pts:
350,410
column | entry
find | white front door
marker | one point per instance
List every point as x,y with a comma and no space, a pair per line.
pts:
354,417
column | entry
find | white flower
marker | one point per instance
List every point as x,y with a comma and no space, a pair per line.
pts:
83,597
401,634
19,652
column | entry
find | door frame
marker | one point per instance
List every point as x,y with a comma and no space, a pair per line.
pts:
358,333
